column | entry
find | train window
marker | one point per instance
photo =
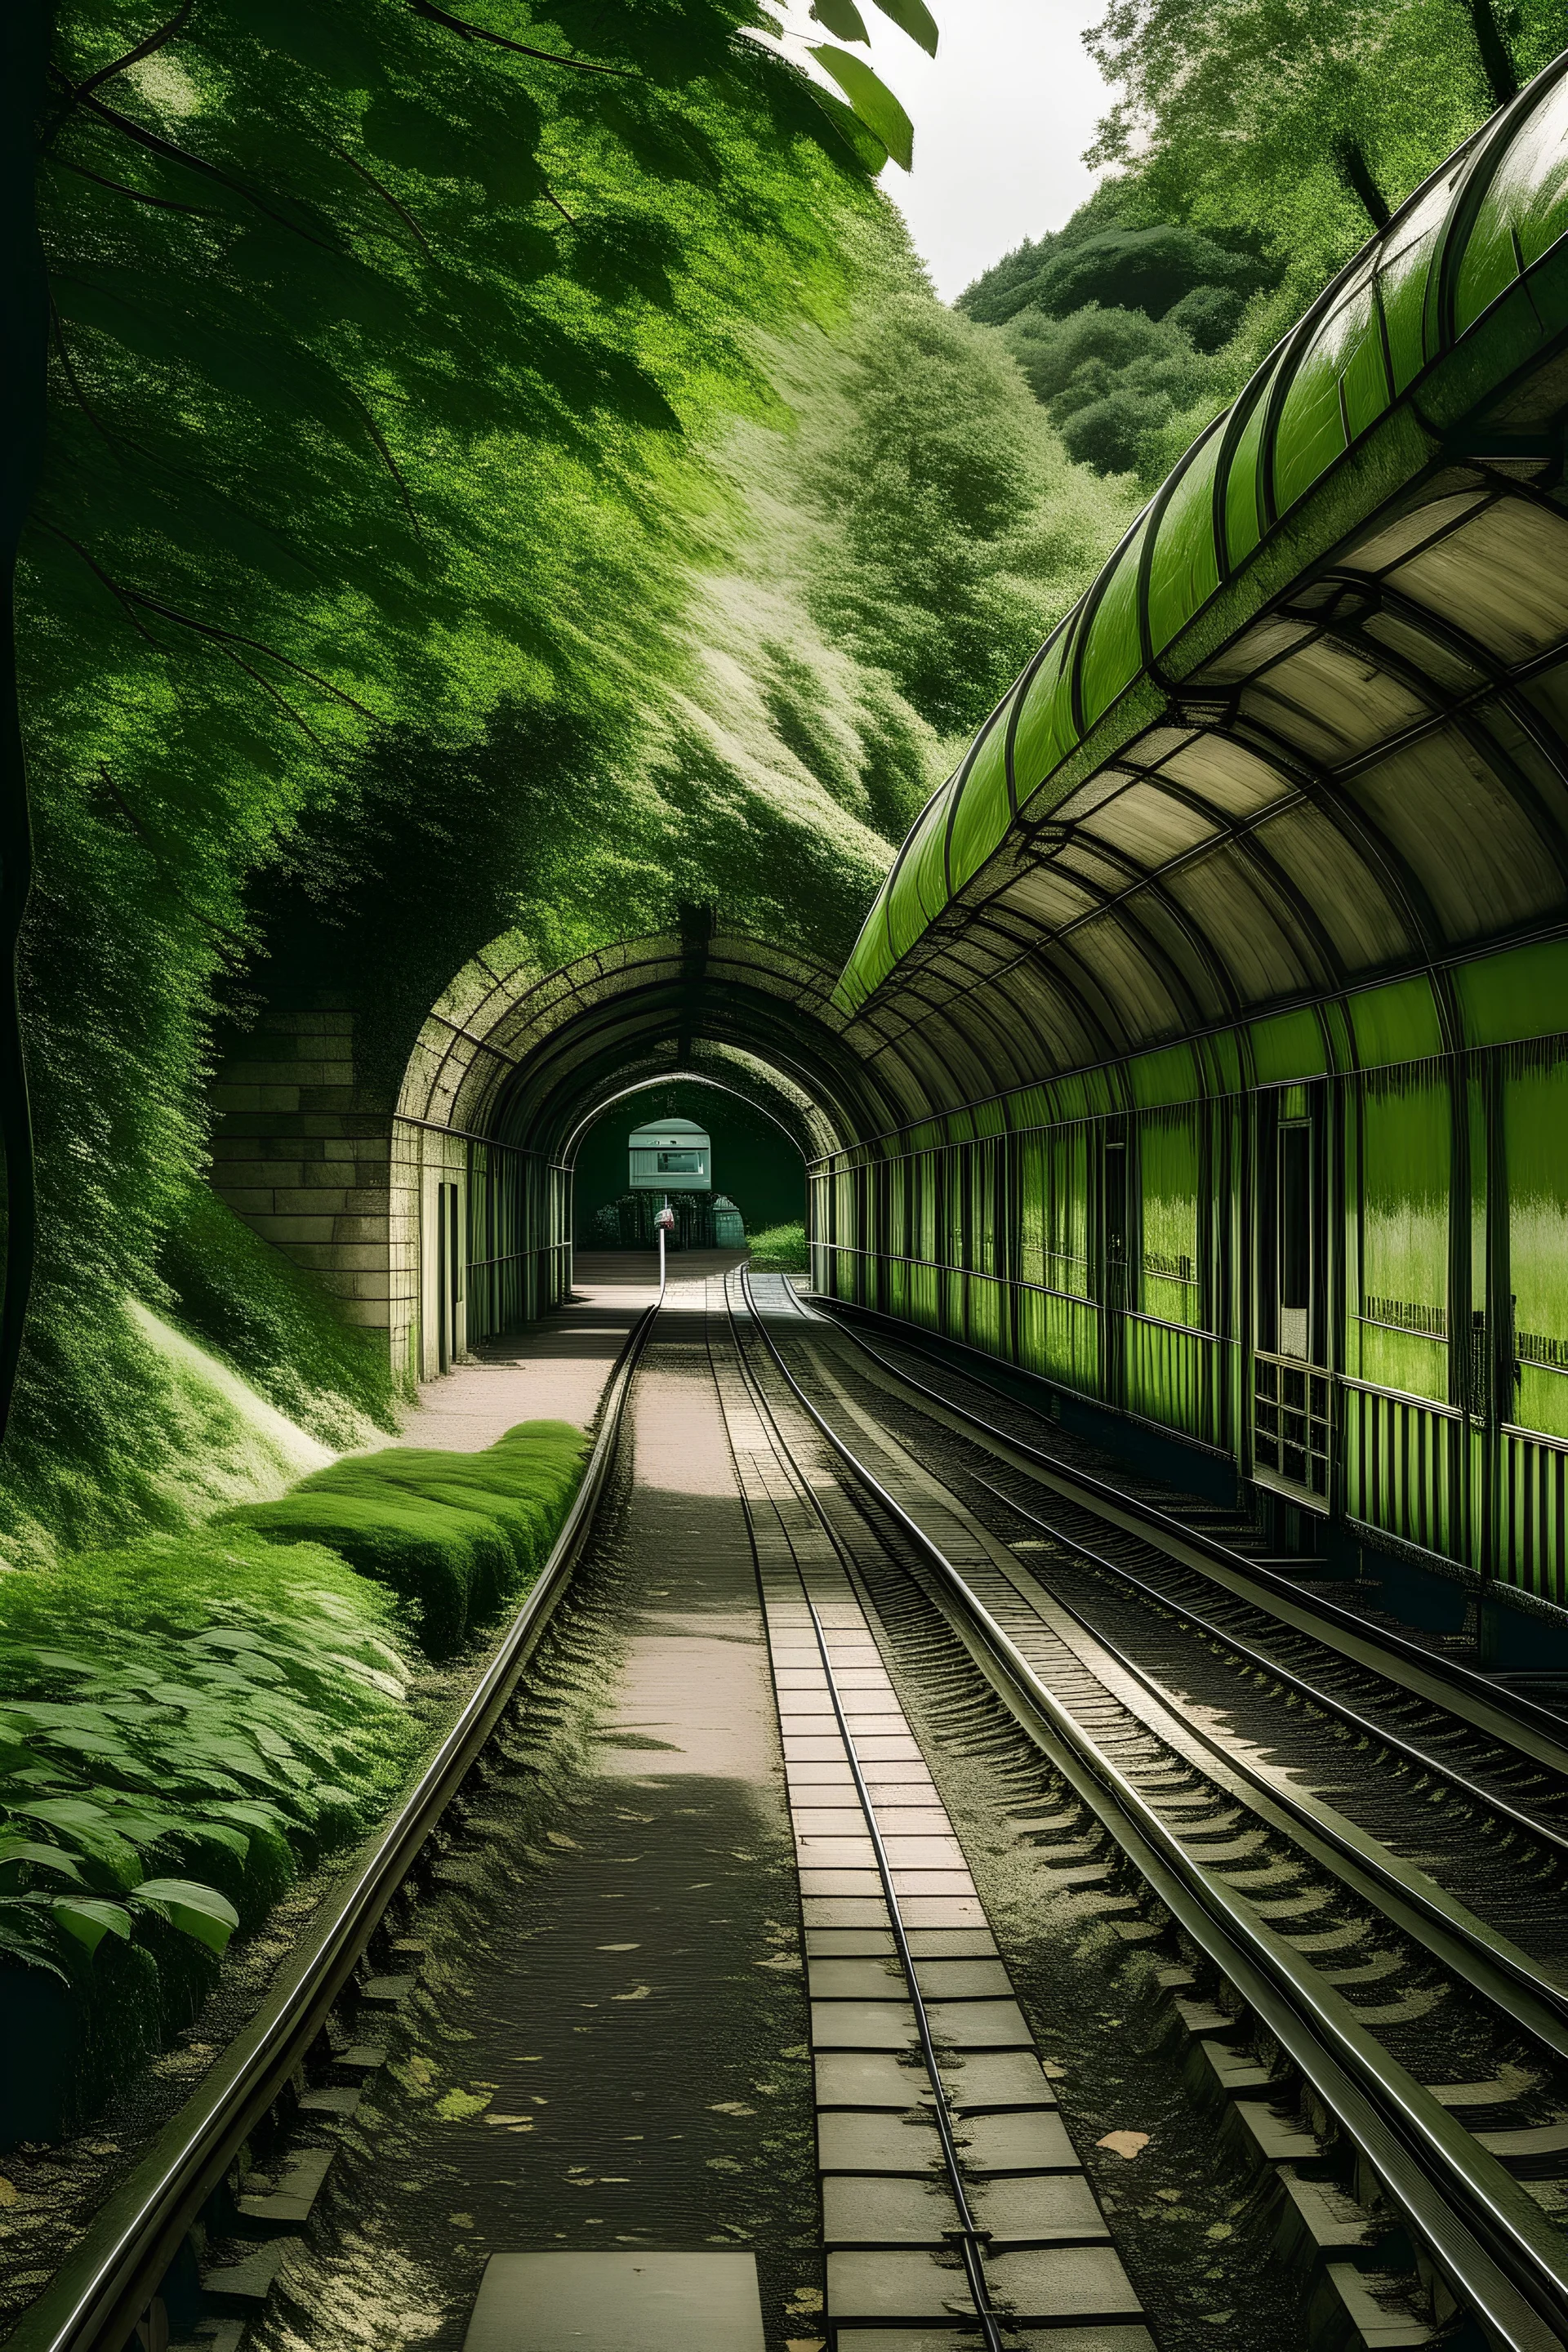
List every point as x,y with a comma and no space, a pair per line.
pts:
1170,1183
680,1163
1406,1140
1295,1240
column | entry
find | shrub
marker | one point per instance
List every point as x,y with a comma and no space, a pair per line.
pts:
445,1565
183,1722
454,1535
781,1249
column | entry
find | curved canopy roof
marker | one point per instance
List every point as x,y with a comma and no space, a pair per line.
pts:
526,1058
1307,727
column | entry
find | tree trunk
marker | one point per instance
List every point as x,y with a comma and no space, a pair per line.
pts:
24,28
1496,63
1351,163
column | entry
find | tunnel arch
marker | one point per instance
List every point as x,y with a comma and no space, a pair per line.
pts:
1307,732
800,1135
513,1062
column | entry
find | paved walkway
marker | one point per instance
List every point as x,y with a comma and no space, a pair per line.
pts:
554,1369
633,1993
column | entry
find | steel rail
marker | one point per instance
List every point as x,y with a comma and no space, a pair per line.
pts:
1327,1700
971,2239
1498,2254
1491,1966
96,2298
1432,1664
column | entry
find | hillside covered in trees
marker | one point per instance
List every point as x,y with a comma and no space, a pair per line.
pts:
1249,151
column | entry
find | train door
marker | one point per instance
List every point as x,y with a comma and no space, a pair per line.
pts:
1292,1393
1117,1258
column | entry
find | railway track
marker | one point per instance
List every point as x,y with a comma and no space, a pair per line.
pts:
1402,2013
1430,1757
1310,1842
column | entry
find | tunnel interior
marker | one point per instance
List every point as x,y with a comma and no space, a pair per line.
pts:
756,1161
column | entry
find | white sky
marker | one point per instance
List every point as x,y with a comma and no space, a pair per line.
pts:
1001,114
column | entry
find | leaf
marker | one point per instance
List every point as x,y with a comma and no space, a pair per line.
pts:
195,1910
911,17
42,1857
69,1812
255,1813
26,1937
370,1676
461,2106
89,1829
872,102
88,1919
842,17
233,1841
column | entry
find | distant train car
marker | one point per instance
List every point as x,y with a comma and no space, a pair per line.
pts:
670,1155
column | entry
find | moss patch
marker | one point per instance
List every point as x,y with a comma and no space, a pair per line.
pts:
275,1324
454,1535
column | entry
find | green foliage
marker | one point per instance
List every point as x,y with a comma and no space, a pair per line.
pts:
330,352
1208,316
274,1324
958,529
1302,121
758,755
132,1425
1108,379
454,1535
872,101
1112,319
781,1249
180,1722
1108,257
437,541
1255,146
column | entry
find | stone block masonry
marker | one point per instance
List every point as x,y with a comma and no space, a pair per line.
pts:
302,1152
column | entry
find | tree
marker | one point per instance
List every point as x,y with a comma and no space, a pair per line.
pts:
956,530
1108,378
334,285
1304,120
373,331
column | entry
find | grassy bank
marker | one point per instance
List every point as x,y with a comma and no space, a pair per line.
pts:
780,1250
189,1721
